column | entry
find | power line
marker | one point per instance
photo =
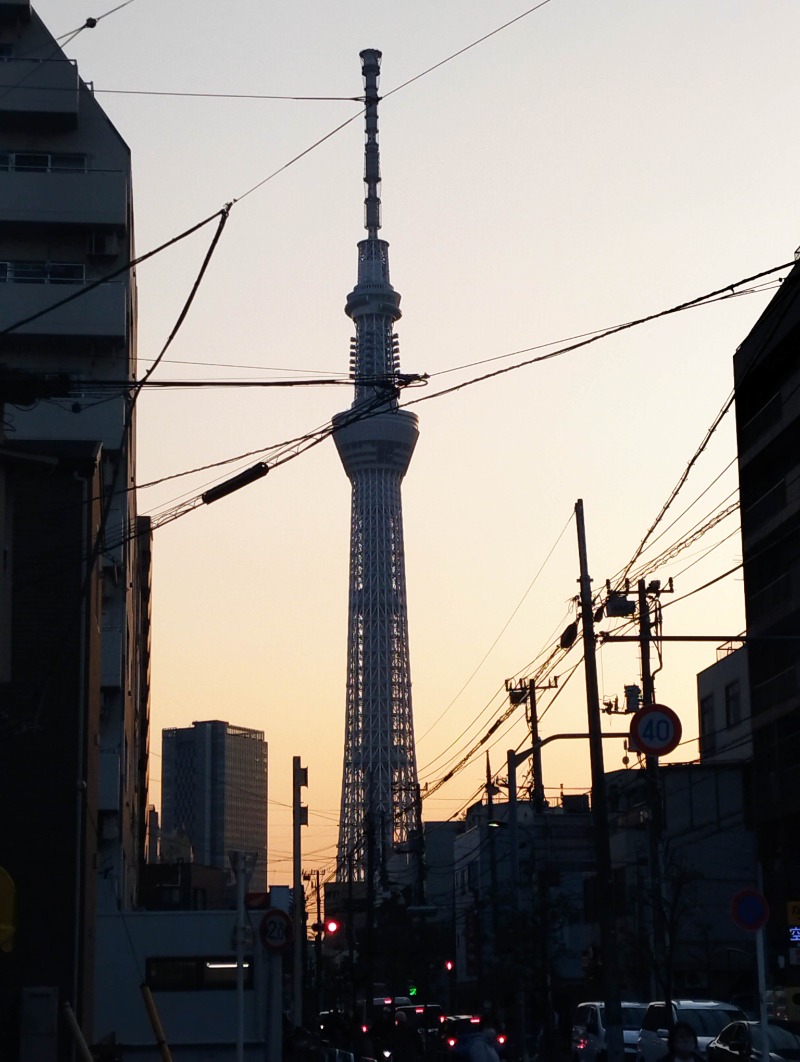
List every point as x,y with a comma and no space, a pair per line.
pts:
466,48
676,489
503,629
117,272
91,23
724,292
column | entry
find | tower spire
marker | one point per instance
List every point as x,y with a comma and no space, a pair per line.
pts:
379,812
371,70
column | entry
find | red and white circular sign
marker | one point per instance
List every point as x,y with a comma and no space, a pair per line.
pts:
655,730
275,930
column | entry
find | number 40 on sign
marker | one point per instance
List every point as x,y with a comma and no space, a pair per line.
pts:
655,730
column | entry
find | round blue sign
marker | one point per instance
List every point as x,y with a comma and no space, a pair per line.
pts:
749,909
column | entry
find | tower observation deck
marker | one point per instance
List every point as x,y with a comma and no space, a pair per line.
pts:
375,440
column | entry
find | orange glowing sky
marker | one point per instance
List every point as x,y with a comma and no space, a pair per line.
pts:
593,163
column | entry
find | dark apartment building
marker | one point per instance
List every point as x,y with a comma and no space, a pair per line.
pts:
75,571
767,380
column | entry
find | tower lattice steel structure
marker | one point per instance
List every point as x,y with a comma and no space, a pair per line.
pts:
375,440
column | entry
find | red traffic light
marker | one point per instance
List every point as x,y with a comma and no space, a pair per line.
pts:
449,965
331,925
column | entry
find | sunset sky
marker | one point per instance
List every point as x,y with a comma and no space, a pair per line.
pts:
595,162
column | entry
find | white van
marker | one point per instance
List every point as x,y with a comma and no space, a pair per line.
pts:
589,1031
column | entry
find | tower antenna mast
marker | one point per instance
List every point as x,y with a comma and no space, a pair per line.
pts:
379,810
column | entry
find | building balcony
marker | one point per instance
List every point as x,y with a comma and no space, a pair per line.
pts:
101,312
108,789
39,92
92,198
112,660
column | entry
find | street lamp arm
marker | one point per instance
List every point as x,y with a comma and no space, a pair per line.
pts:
520,757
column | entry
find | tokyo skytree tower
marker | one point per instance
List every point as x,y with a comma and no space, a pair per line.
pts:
379,808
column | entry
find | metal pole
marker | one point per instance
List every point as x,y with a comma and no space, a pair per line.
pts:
240,888
538,777
513,830
318,950
492,862
351,939
299,819
75,1030
605,879
654,803
155,1021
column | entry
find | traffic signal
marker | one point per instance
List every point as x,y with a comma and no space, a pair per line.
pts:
330,930
449,965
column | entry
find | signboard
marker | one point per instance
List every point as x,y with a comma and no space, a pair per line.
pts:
275,930
656,730
750,910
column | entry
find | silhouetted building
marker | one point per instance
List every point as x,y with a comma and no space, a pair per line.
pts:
723,701
767,382
184,886
214,788
74,589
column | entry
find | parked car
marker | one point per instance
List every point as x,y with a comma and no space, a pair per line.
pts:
589,1031
425,1016
741,1040
457,1033
706,1016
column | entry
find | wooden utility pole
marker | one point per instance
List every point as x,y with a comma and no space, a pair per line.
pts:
605,878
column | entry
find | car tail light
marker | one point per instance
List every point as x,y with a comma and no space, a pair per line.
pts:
501,1039
583,1042
451,1041
474,1021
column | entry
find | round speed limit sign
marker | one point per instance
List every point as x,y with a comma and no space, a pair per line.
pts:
275,930
655,730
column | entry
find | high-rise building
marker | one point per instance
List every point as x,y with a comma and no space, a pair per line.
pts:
214,788
767,381
74,593
375,440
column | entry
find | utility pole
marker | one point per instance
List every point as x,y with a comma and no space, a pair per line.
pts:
605,879
490,789
351,941
318,950
525,690
654,802
299,819
419,848
242,864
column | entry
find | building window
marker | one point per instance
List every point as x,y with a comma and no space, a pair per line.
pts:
191,974
42,161
707,728
733,703
42,272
